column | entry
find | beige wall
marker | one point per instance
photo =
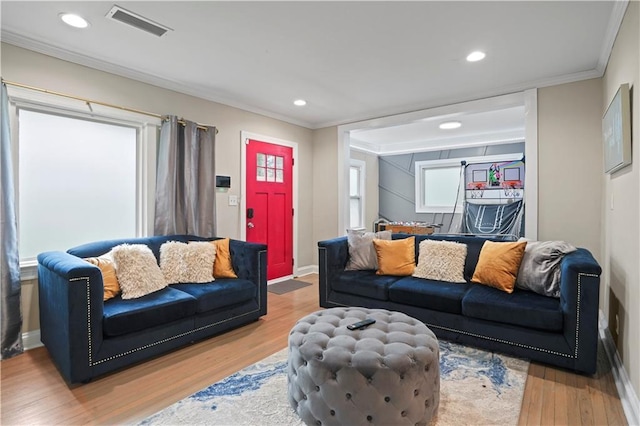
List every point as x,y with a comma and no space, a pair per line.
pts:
325,186
43,71
621,234
371,190
570,163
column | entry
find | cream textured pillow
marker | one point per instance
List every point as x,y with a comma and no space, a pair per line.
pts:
362,255
187,263
441,261
137,270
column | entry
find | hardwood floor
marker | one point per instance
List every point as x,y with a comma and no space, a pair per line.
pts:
32,391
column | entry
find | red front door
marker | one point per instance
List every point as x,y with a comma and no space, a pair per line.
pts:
269,215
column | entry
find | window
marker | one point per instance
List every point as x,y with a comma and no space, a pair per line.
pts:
84,172
356,194
439,189
76,182
270,168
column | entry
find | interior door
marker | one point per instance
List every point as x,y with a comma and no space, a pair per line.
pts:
269,215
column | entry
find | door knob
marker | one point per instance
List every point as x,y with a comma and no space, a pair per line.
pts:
250,225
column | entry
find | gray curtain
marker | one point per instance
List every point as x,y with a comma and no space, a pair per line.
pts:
10,313
185,184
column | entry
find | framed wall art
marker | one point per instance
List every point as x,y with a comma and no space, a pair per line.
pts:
616,131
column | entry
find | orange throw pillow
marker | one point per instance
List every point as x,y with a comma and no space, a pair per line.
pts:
109,278
498,264
396,257
222,267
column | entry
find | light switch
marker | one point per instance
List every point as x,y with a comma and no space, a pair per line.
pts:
233,200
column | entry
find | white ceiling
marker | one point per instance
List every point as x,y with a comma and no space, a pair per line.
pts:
351,61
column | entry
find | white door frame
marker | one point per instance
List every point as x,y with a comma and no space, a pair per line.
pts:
244,137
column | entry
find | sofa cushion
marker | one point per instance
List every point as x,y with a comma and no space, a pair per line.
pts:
137,270
498,264
362,255
364,283
187,263
161,307
108,270
540,267
219,294
441,261
474,246
222,267
436,295
396,257
523,308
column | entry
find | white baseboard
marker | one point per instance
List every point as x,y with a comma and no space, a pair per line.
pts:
628,396
31,340
302,271
307,270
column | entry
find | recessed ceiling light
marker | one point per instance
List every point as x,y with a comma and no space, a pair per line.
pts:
299,102
74,20
476,56
448,125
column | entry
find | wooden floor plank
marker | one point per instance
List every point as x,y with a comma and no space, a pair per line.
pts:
34,393
560,415
547,413
536,375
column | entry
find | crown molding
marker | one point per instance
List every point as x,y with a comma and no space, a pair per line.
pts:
615,21
141,76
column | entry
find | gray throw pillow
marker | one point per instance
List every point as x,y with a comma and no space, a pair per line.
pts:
362,254
540,266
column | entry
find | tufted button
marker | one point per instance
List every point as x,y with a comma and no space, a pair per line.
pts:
387,399
402,377
332,412
318,422
426,402
403,414
348,396
304,396
416,392
318,388
369,418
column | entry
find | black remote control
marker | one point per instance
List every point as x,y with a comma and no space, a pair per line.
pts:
361,324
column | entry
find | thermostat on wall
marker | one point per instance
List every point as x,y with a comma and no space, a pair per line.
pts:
223,181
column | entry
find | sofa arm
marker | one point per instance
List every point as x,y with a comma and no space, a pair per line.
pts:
579,300
332,259
249,261
71,309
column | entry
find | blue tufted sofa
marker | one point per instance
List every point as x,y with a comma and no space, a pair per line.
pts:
561,332
87,337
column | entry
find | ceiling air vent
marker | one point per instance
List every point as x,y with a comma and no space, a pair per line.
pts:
140,22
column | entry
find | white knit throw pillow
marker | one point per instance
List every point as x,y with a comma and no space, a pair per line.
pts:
441,261
187,263
137,270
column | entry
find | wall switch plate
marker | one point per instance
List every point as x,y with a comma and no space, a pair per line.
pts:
233,200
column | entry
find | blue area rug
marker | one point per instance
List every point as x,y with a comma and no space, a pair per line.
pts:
476,388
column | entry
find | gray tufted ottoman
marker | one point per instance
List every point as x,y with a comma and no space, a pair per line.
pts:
387,373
